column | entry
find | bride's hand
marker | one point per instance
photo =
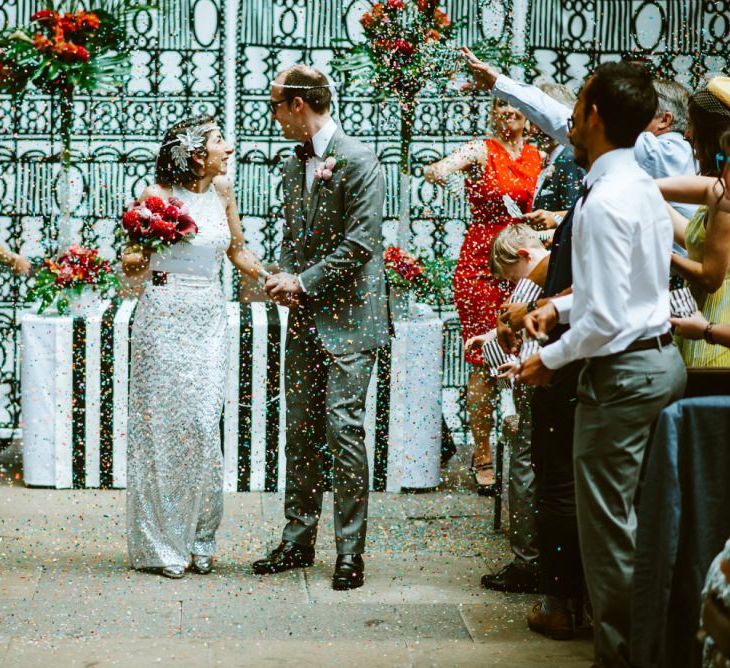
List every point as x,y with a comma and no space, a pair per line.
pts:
135,260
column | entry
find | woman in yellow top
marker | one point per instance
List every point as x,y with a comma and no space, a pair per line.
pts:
707,236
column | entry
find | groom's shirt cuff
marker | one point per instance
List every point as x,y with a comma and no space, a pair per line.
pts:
301,283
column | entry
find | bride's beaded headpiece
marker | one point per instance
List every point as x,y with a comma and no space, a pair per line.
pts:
185,143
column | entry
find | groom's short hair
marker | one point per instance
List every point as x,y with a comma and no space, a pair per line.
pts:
309,84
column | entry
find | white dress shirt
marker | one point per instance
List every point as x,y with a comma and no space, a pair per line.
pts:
666,155
320,142
622,242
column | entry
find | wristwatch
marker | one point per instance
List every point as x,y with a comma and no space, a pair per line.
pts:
707,334
557,218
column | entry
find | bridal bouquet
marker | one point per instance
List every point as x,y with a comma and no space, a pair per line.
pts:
157,223
71,273
429,280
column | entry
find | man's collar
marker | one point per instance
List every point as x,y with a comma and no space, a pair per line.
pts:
610,161
321,140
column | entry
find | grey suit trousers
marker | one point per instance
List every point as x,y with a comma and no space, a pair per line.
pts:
325,405
521,488
619,398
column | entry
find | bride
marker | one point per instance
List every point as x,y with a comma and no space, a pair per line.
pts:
178,358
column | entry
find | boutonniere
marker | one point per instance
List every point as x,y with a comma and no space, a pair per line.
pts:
326,169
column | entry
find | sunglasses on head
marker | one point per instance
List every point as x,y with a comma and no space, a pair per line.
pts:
721,159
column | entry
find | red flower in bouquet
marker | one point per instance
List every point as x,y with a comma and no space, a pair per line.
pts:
156,222
395,5
155,204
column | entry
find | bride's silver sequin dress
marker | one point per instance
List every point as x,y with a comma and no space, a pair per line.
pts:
178,364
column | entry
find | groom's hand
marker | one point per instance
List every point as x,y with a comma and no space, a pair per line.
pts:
284,288
485,76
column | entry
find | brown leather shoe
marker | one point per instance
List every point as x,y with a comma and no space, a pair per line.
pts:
556,625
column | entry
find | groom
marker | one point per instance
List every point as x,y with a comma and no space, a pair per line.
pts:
332,279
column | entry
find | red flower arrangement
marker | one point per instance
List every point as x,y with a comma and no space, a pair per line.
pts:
65,33
429,279
397,32
64,52
156,223
69,274
403,264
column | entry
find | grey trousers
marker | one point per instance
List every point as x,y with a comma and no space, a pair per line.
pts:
325,407
619,398
521,488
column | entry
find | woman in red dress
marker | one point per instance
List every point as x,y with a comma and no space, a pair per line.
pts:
502,165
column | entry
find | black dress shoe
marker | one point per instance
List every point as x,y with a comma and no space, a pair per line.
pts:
514,578
288,555
349,572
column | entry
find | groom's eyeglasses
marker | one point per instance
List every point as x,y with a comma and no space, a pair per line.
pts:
273,104
721,159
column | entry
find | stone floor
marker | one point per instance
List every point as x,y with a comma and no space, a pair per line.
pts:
68,598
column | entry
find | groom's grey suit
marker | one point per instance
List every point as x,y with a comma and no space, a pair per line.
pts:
333,242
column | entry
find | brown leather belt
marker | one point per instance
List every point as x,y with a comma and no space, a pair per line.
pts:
657,342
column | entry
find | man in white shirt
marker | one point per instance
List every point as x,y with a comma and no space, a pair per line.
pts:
618,314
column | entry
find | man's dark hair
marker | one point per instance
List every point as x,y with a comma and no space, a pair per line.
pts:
625,99
315,90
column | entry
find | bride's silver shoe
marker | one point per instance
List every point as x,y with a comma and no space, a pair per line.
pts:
202,564
174,572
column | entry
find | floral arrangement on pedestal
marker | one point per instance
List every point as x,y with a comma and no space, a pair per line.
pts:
427,280
66,50
70,276
408,45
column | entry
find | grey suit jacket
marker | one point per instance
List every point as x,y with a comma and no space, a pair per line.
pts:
336,246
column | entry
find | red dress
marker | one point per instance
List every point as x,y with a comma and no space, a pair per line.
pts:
477,293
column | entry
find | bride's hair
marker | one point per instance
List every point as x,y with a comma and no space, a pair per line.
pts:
168,170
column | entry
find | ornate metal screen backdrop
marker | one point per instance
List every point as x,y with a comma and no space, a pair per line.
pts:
217,56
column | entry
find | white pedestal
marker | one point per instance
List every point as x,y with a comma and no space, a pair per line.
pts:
47,395
414,448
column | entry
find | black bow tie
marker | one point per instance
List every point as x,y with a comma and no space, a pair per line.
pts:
304,151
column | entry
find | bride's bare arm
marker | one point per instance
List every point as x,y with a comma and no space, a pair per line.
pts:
238,253
462,159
